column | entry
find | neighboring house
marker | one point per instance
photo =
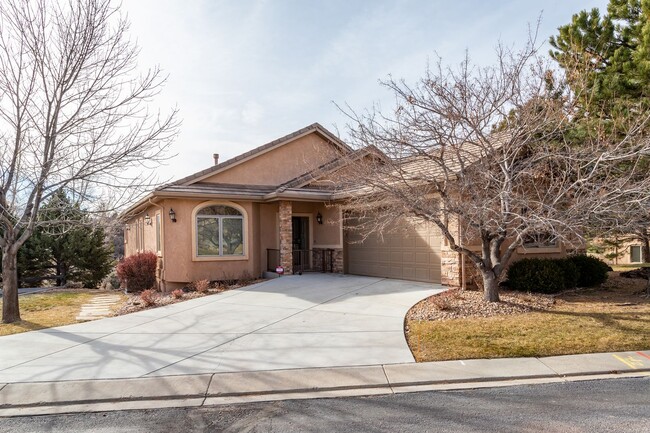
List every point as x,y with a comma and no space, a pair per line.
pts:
277,205
619,252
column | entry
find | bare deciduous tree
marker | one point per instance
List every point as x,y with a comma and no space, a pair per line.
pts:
495,156
73,116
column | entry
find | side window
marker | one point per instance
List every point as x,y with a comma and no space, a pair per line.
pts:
540,240
158,233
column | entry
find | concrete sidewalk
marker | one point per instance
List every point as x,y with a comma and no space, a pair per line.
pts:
37,398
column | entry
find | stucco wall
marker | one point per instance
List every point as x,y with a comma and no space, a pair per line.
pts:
182,267
268,224
328,234
136,226
279,165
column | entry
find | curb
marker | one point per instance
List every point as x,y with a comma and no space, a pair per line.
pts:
40,398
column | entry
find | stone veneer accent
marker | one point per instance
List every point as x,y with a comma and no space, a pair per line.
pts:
286,245
337,260
159,280
450,272
450,269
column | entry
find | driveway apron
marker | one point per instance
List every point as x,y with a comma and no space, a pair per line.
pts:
313,320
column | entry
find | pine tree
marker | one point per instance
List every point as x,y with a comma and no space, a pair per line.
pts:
607,59
67,243
607,63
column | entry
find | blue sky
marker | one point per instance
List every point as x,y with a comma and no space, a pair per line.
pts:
244,72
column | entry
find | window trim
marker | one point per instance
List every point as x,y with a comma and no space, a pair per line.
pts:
640,254
195,240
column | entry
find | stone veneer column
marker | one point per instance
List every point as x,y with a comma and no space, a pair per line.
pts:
286,237
450,272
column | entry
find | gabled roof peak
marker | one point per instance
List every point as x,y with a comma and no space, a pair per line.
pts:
314,127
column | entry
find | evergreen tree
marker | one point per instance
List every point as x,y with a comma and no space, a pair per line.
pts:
607,59
607,63
67,244
33,261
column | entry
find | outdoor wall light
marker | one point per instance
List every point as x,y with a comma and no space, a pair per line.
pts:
172,215
147,219
319,218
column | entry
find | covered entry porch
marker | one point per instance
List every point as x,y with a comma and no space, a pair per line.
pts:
308,236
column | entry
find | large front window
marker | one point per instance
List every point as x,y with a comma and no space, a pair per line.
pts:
219,231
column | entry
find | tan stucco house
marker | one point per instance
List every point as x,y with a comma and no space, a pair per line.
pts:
276,205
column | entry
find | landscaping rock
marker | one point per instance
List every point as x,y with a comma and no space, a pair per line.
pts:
458,304
643,273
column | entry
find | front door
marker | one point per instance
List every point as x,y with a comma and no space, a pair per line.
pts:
300,241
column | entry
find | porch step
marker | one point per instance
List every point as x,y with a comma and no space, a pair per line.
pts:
270,275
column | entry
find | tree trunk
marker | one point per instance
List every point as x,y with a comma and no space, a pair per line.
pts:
646,250
490,286
10,310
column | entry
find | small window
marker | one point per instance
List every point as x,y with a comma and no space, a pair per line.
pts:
158,232
540,240
219,232
635,254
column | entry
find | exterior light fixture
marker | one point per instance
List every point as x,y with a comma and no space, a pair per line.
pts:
172,215
147,219
319,218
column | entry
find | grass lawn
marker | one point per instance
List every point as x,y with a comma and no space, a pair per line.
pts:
48,309
612,318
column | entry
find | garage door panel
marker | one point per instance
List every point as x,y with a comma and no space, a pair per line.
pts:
413,254
424,258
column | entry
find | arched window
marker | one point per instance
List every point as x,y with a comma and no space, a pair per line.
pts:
219,231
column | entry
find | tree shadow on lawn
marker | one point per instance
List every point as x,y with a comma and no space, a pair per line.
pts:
612,320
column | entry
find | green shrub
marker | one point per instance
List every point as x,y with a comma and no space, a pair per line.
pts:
570,273
536,275
592,271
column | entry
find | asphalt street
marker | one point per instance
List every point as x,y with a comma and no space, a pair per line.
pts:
29,290
620,405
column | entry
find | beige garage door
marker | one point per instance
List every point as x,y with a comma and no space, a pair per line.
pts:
411,253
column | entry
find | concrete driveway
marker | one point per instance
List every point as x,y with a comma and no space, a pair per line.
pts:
314,320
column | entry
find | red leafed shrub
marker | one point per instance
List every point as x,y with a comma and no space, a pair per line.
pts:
148,297
177,294
138,272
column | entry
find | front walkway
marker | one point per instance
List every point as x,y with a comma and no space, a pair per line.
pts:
314,320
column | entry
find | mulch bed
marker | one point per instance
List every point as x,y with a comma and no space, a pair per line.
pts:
135,303
458,304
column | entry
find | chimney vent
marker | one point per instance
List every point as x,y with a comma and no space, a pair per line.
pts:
216,158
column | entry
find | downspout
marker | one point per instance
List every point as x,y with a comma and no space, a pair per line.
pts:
462,258
163,287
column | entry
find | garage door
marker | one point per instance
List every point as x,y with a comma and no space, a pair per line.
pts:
410,253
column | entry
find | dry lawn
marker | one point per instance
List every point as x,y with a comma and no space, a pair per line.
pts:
612,318
48,309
